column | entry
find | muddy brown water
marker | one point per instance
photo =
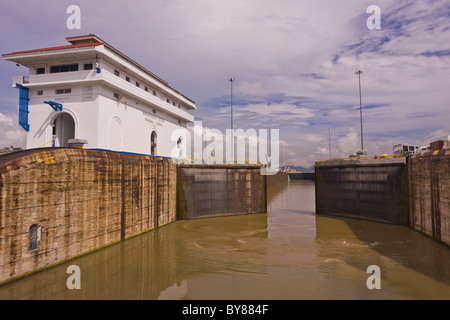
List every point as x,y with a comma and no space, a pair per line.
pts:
289,253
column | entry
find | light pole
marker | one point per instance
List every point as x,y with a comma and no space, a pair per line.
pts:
232,128
358,72
231,102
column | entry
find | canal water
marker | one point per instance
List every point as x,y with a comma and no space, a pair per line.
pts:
289,253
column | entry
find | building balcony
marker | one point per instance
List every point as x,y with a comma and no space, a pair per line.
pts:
48,79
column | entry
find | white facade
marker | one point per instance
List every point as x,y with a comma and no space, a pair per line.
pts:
406,148
107,99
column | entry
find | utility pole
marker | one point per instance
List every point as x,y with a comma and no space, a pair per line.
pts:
232,127
358,72
231,102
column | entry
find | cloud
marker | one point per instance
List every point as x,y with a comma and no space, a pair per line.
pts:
293,62
265,115
349,143
313,138
11,134
251,89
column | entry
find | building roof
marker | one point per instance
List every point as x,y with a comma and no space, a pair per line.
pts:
80,45
78,39
93,38
89,40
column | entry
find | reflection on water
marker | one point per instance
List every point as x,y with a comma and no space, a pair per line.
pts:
289,253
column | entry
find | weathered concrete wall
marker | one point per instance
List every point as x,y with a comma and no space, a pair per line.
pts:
220,190
80,200
429,194
374,192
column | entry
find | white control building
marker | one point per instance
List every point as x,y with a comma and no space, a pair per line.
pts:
90,91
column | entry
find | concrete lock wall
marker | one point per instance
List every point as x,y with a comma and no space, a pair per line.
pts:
56,204
374,192
220,190
429,194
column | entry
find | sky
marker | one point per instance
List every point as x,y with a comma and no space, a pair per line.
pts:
293,61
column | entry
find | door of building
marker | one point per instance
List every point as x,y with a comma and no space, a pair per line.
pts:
63,130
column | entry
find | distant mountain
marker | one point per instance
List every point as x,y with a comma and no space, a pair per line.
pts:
297,168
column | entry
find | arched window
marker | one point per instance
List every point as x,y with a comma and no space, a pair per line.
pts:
34,235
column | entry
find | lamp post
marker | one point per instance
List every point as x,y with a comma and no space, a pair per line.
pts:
231,102
358,73
232,128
